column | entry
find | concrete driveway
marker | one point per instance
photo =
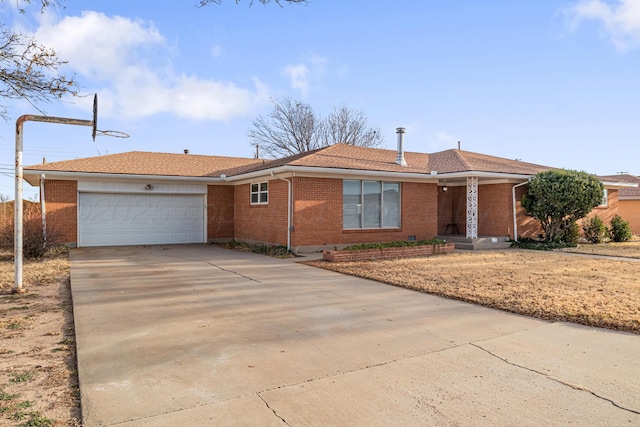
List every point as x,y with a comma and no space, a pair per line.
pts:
197,335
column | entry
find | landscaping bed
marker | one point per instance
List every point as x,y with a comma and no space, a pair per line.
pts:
390,250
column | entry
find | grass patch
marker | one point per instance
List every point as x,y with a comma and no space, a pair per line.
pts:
25,404
21,377
14,325
36,419
7,396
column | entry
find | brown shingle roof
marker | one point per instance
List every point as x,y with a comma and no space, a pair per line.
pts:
342,156
146,163
450,161
625,193
339,156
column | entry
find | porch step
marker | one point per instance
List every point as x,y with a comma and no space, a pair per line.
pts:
480,243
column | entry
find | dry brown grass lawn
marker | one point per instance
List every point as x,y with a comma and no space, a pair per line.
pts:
623,249
553,286
38,373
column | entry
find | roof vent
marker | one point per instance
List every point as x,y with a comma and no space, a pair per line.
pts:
186,151
400,159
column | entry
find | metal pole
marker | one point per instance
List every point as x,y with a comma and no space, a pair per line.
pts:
18,232
17,238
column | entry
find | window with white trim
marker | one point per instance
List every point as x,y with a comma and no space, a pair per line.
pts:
260,193
370,204
605,199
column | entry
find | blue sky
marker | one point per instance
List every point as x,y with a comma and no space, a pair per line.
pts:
549,82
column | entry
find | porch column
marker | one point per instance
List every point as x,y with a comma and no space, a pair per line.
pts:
472,207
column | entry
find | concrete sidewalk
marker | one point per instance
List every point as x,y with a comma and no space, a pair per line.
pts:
198,335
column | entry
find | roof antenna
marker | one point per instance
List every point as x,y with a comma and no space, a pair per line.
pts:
458,145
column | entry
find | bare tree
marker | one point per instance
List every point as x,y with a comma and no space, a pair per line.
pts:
348,126
30,71
293,127
290,128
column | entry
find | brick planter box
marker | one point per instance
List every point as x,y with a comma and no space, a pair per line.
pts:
387,253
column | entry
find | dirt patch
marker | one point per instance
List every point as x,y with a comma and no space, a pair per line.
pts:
38,369
552,286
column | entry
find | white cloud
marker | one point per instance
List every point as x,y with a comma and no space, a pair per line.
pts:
216,51
620,19
298,76
302,75
132,61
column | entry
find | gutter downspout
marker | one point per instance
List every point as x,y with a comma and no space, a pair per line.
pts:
43,210
515,218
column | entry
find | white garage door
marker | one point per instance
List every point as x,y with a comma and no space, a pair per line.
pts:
140,219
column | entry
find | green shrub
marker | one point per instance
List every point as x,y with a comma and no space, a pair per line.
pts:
571,234
620,229
394,244
594,229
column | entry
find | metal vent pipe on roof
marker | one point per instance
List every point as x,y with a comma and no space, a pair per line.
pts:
186,151
400,159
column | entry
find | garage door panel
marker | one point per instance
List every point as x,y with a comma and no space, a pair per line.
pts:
134,219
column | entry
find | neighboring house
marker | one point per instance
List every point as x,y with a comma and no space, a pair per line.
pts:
629,201
331,197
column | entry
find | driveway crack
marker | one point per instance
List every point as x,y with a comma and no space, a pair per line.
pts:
214,265
272,410
558,380
232,272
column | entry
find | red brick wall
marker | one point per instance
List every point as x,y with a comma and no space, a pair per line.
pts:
495,211
61,204
318,214
608,212
261,223
220,210
629,210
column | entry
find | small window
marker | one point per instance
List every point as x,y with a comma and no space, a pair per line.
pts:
605,199
260,193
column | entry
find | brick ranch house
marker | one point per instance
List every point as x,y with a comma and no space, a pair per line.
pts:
330,197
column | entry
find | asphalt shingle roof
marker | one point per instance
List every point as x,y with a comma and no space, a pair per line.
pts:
146,163
339,156
342,156
625,193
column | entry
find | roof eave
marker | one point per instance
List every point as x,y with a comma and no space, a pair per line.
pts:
619,184
32,176
372,173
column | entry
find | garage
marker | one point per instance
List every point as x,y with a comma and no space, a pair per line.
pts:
120,219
